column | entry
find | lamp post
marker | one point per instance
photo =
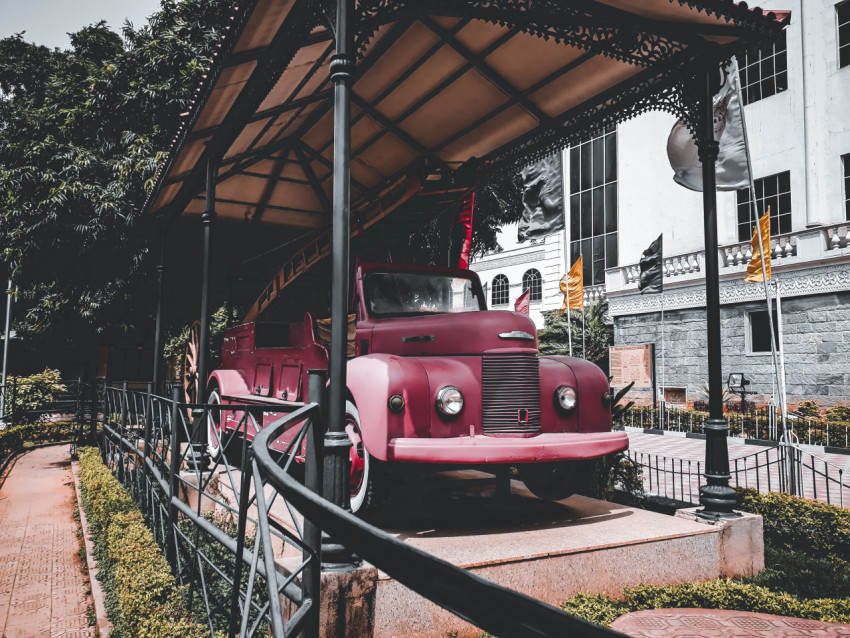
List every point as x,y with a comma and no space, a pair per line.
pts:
717,498
337,444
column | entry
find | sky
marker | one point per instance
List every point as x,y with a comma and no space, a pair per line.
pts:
49,21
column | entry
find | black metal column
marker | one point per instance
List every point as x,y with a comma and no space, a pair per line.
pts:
336,444
717,498
157,337
199,434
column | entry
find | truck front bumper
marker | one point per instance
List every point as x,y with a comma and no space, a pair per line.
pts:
480,449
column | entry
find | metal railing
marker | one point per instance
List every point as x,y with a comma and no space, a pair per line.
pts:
275,551
761,424
782,468
77,399
229,580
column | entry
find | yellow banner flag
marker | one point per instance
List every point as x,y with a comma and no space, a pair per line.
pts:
760,243
572,287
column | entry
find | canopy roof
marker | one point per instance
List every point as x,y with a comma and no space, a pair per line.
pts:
439,84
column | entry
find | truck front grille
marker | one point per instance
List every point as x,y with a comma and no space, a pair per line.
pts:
510,392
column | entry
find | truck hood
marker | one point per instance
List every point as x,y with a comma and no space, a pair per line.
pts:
479,332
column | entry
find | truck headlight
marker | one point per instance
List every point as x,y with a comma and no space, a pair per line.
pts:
565,398
449,401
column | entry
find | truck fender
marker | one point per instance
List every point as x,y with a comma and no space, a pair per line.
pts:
591,385
372,380
230,382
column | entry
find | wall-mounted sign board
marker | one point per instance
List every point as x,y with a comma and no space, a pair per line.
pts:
632,363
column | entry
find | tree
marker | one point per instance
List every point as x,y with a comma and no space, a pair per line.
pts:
497,202
554,338
81,134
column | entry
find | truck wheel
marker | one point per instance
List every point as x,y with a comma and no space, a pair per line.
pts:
368,479
214,433
557,480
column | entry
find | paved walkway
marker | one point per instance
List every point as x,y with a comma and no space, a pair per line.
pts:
43,589
707,623
674,464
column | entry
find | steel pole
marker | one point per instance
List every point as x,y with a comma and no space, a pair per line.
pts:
198,458
6,346
335,484
717,498
157,337
336,441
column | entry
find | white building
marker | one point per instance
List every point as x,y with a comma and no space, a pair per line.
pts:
620,196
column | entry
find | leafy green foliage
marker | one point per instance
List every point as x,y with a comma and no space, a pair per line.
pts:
218,560
716,594
81,134
725,396
616,471
142,598
36,391
619,410
807,574
174,343
838,413
16,438
809,409
497,203
803,576
554,338
795,524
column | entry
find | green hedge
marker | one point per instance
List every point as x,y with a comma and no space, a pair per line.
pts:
36,391
14,439
715,594
800,525
807,554
142,598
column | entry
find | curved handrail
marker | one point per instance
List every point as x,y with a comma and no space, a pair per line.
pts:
504,612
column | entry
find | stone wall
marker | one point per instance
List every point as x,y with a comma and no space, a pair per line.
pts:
816,337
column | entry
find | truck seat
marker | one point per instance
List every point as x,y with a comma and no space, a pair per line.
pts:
323,333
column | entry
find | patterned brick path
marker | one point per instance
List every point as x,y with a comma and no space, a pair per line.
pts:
43,589
706,623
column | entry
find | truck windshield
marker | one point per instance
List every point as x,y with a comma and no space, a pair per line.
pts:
401,294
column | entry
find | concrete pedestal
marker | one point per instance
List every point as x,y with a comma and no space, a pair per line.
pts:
549,551
741,542
552,551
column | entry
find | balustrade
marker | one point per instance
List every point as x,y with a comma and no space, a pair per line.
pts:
740,254
836,237
674,266
594,294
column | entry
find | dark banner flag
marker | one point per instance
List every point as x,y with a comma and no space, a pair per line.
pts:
651,268
542,199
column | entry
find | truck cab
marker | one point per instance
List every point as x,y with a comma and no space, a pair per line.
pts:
434,378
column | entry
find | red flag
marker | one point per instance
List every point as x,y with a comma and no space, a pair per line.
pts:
523,303
464,220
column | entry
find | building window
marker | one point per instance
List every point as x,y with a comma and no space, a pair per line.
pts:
533,279
759,331
846,160
593,204
500,294
773,191
764,72
843,12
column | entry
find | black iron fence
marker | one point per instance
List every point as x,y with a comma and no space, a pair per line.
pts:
245,537
25,401
758,424
781,468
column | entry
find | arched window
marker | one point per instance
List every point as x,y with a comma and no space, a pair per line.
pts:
534,280
500,294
